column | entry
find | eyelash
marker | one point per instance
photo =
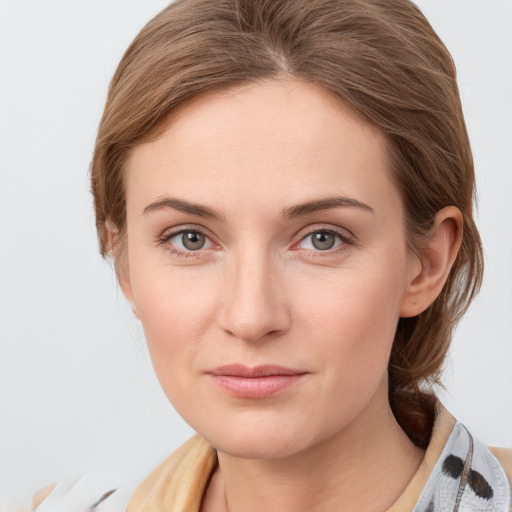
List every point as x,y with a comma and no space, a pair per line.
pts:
343,238
165,238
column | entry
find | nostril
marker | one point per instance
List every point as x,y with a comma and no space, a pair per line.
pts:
253,336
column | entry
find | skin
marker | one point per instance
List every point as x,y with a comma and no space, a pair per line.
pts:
259,292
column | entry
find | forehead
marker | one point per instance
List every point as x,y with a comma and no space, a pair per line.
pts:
286,140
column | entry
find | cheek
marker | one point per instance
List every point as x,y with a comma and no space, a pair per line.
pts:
354,321
176,308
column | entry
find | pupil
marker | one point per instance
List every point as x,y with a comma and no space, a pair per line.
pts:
193,240
323,240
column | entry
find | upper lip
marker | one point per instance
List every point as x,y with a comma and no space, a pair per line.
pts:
238,370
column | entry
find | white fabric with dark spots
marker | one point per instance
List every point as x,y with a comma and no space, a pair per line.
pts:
466,478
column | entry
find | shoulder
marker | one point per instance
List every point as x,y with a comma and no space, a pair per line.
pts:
467,474
504,457
482,480
178,483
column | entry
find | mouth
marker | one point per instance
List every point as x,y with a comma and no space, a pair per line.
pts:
258,382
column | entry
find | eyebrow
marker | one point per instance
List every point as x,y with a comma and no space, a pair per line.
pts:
292,212
185,207
327,203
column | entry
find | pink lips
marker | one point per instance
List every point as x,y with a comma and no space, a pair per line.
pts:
258,382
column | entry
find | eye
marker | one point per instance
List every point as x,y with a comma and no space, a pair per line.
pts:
323,240
188,240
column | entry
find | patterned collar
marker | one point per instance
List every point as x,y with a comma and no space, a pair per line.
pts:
466,477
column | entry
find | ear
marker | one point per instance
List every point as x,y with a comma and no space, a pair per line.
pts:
436,255
118,253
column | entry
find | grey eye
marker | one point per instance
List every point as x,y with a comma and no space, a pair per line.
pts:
323,240
193,240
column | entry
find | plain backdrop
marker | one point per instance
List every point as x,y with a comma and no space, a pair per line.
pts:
77,391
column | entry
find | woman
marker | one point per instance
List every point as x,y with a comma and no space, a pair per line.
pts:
286,189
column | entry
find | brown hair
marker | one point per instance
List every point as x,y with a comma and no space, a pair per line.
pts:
380,57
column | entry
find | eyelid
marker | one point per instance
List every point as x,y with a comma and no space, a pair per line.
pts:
180,228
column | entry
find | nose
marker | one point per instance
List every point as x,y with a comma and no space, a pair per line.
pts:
254,305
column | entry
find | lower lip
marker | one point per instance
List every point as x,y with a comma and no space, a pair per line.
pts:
255,387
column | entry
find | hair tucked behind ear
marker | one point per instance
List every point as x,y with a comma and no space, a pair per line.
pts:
379,57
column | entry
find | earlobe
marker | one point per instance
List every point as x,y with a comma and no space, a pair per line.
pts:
113,238
436,255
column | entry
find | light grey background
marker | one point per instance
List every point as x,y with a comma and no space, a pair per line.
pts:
76,388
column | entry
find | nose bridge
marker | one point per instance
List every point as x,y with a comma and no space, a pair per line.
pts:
254,306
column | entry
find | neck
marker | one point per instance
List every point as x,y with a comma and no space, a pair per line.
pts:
365,467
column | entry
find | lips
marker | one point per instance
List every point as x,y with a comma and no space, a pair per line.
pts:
258,382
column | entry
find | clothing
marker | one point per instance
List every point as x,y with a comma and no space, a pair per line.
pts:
458,474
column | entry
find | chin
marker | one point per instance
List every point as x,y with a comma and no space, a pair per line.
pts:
259,437
261,445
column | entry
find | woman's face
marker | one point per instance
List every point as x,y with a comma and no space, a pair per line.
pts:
267,261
